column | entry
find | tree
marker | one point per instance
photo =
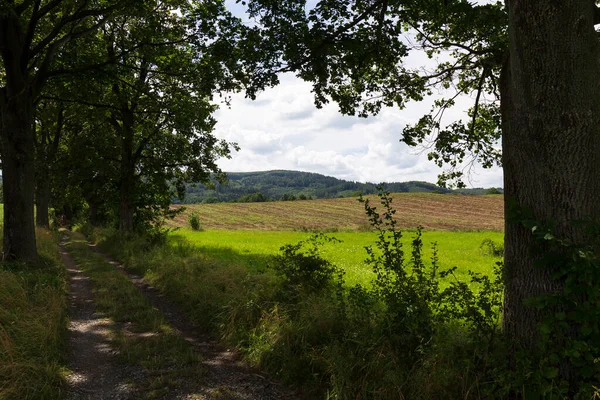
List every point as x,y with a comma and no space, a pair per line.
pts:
150,109
532,67
550,123
43,41
32,35
49,124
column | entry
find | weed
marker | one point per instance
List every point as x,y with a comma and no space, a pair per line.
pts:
302,269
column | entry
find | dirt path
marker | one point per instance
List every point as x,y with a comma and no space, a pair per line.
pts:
97,374
227,377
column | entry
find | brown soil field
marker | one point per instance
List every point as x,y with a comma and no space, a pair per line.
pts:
432,211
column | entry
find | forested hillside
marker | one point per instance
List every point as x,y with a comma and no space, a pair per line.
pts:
282,185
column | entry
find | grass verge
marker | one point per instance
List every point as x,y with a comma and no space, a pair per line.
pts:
33,320
142,337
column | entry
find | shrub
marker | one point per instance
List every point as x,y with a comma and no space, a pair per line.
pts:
408,336
301,268
405,335
194,220
491,248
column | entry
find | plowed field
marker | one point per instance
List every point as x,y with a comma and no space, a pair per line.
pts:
432,211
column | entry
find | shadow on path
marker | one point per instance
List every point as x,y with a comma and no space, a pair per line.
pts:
96,371
227,376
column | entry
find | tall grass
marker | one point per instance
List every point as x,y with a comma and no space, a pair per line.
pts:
306,339
33,324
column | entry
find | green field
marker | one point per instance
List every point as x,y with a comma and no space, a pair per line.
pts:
255,249
250,234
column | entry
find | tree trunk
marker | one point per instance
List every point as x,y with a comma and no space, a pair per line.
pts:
42,199
126,208
551,139
18,177
18,142
93,213
127,174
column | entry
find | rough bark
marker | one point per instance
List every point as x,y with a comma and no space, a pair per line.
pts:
126,208
47,148
93,213
18,143
18,177
551,136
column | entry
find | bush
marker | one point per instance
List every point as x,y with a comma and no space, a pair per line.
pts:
194,221
491,248
302,269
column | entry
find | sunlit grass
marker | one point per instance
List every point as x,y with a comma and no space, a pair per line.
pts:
222,281
255,249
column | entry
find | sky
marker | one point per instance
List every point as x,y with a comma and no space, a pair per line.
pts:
282,129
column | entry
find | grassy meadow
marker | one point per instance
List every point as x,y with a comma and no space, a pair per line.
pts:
254,249
251,233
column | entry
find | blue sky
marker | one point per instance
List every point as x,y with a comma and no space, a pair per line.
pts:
282,129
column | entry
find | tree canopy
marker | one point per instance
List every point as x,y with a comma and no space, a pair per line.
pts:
357,55
145,71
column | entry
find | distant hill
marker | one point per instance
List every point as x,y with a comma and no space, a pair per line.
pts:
275,185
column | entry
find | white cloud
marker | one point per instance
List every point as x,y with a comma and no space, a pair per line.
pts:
284,130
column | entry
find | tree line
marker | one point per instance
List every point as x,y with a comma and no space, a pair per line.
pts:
274,185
